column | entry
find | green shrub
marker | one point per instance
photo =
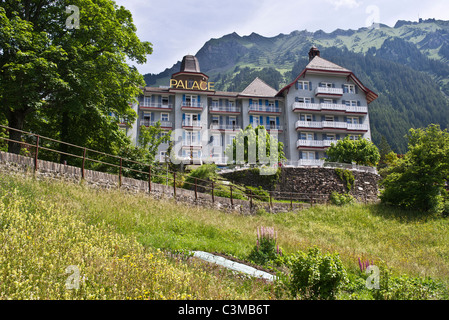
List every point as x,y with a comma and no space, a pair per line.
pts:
204,175
258,193
347,177
341,199
315,275
266,248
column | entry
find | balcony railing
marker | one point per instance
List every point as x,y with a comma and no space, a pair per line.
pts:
269,127
164,124
191,105
225,127
193,144
332,125
225,109
254,108
155,106
329,91
298,106
314,143
192,123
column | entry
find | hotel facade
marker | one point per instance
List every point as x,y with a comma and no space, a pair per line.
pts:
325,103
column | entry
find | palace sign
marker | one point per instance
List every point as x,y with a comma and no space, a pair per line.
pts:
191,85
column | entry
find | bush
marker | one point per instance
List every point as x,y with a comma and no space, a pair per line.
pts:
258,193
316,275
266,248
203,174
341,199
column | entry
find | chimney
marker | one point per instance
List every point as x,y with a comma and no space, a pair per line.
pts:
313,53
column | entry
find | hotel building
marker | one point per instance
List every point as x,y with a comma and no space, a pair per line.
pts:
325,103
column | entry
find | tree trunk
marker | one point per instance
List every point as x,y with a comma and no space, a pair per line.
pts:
16,120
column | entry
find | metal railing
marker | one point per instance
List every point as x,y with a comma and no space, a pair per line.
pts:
84,157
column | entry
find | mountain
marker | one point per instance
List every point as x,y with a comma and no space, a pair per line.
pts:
407,65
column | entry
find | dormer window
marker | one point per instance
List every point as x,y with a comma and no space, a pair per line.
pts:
349,88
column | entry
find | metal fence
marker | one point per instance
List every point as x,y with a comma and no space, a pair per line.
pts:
33,145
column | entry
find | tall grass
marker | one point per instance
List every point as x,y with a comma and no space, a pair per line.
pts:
95,228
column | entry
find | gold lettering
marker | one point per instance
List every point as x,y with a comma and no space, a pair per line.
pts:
173,83
195,85
205,86
211,86
180,84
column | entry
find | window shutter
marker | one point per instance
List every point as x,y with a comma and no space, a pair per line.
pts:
335,101
183,98
199,98
315,136
321,100
250,101
310,85
333,85
323,118
345,119
356,90
152,116
277,121
221,120
266,103
277,104
302,118
260,102
300,155
324,136
313,100
358,103
343,101
199,136
296,99
317,156
183,117
199,117
338,137
251,119
314,118
296,85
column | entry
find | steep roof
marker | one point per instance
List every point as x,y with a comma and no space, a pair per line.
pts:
190,64
258,88
319,63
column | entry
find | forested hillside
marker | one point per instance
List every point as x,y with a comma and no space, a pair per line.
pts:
407,65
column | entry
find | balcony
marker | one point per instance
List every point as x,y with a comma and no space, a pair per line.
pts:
224,109
325,92
164,124
192,106
225,127
328,107
155,106
193,124
331,125
191,144
314,144
257,109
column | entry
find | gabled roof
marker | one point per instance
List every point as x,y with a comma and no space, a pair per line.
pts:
320,65
258,88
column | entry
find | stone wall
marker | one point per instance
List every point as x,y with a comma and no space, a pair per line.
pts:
16,164
318,183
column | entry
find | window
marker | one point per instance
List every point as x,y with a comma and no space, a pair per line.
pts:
191,100
307,136
232,121
216,140
308,117
272,123
256,121
231,139
353,137
190,119
165,117
165,101
214,103
303,85
353,120
326,85
305,100
231,104
329,118
162,156
349,88
308,155
215,120
331,136
351,103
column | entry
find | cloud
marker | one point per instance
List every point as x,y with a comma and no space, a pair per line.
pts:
351,4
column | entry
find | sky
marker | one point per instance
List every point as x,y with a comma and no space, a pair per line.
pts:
180,27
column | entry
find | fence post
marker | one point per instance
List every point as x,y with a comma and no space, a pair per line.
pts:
196,195
291,201
120,174
213,198
250,199
174,185
232,201
36,156
271,200
149,180
84,162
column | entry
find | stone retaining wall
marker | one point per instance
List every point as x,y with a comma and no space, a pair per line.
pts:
16,164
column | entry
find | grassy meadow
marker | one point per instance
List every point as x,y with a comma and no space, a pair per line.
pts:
119,242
